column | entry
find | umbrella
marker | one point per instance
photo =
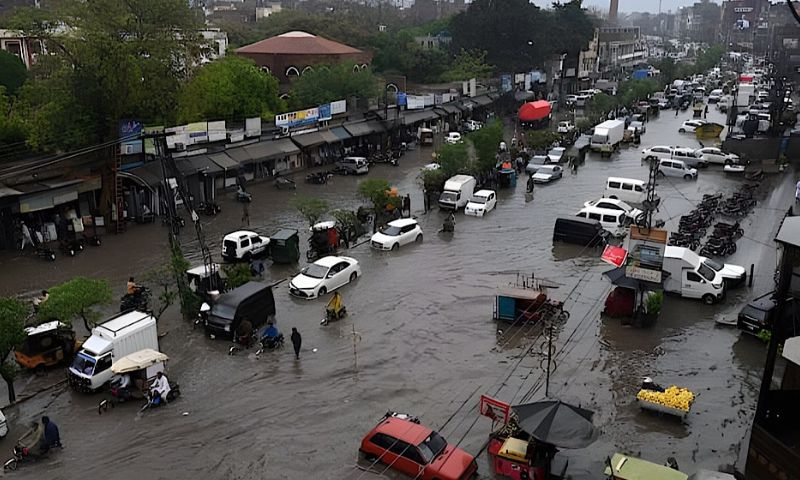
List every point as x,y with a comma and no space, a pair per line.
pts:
556,423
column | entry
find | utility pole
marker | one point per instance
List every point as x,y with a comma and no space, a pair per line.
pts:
549,355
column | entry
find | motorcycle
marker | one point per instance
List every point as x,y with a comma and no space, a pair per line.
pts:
209,208
319,178
27,448
138,300
44,253
71,247
156,400
282,183
270,343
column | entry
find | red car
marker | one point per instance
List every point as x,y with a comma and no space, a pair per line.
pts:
419,452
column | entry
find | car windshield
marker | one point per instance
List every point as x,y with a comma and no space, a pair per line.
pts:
716,266
432,446
480,200
706,272
447,197
391,231
754,313
84,364
315,271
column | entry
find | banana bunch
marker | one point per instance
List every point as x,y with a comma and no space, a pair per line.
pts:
673,397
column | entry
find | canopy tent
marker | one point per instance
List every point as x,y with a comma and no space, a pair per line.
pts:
138,361
533,111
556,423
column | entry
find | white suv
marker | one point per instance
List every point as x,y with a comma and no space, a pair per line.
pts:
676,168
715,155
656,153
685,154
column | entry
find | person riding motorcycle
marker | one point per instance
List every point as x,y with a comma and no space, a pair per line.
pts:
51,436
271,337
160,388
132,288
449,223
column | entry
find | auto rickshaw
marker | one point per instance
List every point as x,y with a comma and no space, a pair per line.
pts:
624,467
335,310
206,281
141,368
284,246
46,345
324,240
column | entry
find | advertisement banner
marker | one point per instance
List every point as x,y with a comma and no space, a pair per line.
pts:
179,137
216,131
646,254
324,112
198,132
494,409
415,102
505,83
473,87
519,78
297,119
338,107
438,99
401,99
429,100
614,255
252,127
149,143
130,130
527,82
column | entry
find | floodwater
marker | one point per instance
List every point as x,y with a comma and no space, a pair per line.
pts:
420,339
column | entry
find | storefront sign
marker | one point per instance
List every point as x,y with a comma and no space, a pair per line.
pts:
415,102
401,99
149,143
130,130
252,127
198,132
646,253
614,255
494,409
643,274
297,119
216,131
324,112
505,83
338,107
180,136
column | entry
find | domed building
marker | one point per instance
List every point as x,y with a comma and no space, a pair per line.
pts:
294,53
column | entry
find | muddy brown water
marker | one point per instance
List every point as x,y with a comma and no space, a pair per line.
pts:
424,342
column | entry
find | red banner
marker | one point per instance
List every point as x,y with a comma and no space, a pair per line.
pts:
494,409
614,255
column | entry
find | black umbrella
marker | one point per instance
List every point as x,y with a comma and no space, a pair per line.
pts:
556,423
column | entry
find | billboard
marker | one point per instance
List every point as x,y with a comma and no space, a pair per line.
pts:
415,102
216,131
180,136
198,132
149,144
324,112
130,130
646,254
338,107
299,118
252,127
402,99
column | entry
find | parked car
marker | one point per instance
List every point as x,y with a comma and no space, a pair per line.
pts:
482,202
657,153
323,276
756,315
547,173
556,155
615,204
566,127
616,222
243,245
715,155
353,165
397,233
472,125
715,95
663,103
536,162
570,99
685,154
579,231
676,168
689,126
637,127
453,138
415,450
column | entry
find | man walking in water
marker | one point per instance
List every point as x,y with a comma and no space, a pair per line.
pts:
297,340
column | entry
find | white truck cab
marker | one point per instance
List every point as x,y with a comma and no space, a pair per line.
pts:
690,277
458,190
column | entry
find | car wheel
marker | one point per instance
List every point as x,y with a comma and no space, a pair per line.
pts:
708,299
370,457
687,177
353,277
419,238
322,291
395,246
728,163
682,130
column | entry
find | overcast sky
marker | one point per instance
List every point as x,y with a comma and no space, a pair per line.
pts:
632,5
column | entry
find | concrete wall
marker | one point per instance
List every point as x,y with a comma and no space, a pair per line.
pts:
762,148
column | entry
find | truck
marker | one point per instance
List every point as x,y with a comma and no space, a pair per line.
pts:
744,95
687,275
607,136
457,192
113,339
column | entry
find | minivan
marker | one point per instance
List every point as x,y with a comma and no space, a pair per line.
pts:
252,301
580,231
616,222
627,189
353,165
676,168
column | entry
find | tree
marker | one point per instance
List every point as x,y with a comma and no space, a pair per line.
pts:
486,141
76,298
466,65
12,72
348,226
238,274
326,84
229,88
190,301
376,191
12,128
539,140
311,208
112,61
163,281
12,333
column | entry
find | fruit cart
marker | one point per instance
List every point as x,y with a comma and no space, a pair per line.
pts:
672,400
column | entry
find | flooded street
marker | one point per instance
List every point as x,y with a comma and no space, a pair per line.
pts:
420,339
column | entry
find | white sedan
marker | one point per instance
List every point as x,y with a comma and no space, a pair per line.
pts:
691,125
482,202
397,233
715,155
615,204
323,276
453,137
547,173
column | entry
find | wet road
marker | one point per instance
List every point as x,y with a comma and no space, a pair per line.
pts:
424,342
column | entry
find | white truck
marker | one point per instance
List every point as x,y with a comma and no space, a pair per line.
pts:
744,95
457,192
607,136
689,277
115,338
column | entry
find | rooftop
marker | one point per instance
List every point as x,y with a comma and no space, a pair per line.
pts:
298,43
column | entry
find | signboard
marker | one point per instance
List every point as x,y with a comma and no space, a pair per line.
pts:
339,106
252,127
216,131
401,99
297,119
519,78
614,255
494,409
130,129
438,99
505,83
429,99
646,254
180,136
743,9
198,132
643,274
149,144
415,102
324,112
527,82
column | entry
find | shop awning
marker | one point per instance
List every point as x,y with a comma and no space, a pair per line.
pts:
451,109
240,155
270,149
8,192
465,106
47,199
224,161
203,164
362,129
329,136
482,100
308,140
341,133
618,278
410,118
150,173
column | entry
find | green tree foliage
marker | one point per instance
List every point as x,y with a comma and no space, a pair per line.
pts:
398,53
540,139
632,91
229,88
376,191
311,208
162,280
12,333
348,226
466,65
12,72
76,298
486,141
190,301
12,127
454,159
326,84
117,60
237,274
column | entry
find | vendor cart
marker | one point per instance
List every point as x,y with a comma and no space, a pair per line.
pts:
675,401
324,240
46,345
527,301
624,467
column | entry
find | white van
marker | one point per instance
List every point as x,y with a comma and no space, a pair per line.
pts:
626,189
457,192
616,222
676,168
353,165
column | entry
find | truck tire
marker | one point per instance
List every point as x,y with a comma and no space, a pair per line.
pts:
709,299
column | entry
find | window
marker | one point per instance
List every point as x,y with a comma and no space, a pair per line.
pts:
614,185
661,150
627,186
582,214
399,447
413,454
610,206
382,440
103,364
693,277
594,216
14,48
292,72
408,228
255,240
638,188
245,243
610,219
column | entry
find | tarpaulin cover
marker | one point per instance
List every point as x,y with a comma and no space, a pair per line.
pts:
556,423
532,111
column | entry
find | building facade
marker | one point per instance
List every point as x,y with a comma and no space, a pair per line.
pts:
620,49
26,48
